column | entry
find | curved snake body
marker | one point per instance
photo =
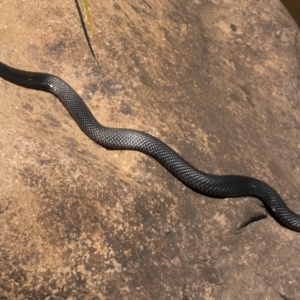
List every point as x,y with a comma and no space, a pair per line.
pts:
129,139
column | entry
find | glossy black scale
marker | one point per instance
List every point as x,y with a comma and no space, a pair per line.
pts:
128,139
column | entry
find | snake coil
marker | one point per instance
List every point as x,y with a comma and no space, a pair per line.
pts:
128,139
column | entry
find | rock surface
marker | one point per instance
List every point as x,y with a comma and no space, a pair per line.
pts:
217,82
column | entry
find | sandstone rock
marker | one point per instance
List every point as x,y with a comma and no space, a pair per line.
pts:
218,82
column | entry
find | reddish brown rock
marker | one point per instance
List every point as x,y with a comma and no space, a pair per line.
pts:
217,81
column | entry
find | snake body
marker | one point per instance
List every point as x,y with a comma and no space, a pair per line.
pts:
220,186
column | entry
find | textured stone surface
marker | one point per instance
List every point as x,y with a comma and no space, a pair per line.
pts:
217,82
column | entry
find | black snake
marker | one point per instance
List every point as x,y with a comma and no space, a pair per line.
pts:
128,139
